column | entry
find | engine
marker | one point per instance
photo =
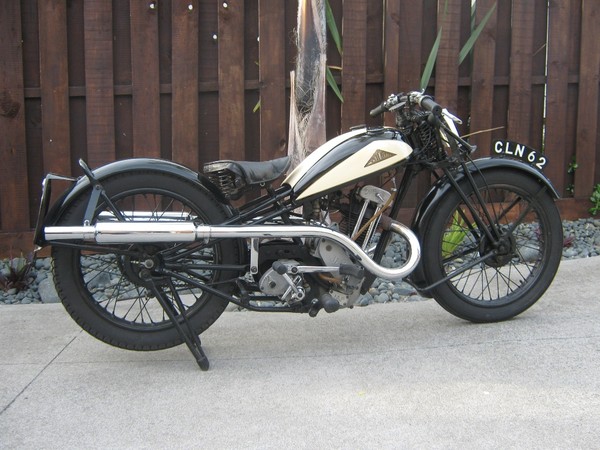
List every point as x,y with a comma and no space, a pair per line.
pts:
319,267
360,216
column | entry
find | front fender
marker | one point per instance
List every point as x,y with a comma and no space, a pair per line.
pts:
429,204
83,183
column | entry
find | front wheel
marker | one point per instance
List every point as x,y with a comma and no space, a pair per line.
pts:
502,262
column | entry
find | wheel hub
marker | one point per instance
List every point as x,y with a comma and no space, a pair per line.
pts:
504,250
141,270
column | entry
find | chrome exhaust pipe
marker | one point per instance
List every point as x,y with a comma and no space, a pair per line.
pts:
179,232
125,232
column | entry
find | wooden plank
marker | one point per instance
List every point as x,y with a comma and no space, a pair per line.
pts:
502,70
574,208
99,90
231,80
354,60
410,66
429,30
54,83
145,79
30,41
184,74
271,49
411,47
374,92
538,89
291,24
392,33
14,244
76,48
375,42
124,127
33,113
574,57
252,42
14,201
165,45
557,93
208,73
446,68
121,31
503,36
482,88
587,146
519,107
166,128
34,145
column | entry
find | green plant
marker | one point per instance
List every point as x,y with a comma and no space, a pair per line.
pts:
455,235
15,273
573,166
335,34
464,51
570,188
595,199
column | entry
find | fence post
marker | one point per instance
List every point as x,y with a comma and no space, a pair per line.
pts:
271,49
587,144
99,82
14,201
231,80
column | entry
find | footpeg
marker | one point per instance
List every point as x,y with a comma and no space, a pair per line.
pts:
329,303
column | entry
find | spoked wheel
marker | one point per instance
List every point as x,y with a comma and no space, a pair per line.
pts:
502,262
111,292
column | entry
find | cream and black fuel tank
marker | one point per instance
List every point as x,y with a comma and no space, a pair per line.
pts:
346,159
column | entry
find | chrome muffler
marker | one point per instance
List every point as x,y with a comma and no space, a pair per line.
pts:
180,232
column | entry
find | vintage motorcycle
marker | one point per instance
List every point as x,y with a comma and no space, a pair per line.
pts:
147,253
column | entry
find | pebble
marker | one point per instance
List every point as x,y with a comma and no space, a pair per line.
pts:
47,292
382,298
582,240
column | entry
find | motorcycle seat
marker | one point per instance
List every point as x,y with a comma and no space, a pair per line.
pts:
251,172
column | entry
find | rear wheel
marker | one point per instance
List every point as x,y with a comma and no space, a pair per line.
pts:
503,265
108,292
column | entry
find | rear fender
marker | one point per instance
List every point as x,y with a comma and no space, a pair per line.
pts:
83,183
429,205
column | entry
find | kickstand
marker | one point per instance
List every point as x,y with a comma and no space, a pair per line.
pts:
191,339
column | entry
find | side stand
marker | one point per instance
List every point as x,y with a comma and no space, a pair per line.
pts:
186,331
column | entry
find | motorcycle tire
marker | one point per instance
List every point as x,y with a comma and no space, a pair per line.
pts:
524,264
104,291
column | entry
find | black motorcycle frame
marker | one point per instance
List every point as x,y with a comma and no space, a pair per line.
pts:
451,172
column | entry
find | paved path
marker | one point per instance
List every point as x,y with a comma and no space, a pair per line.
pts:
405,375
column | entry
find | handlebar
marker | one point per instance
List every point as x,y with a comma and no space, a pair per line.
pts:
378,110
428,104
424,101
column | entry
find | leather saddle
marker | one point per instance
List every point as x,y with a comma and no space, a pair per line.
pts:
236,177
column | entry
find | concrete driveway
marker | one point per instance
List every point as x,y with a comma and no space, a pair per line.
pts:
405,375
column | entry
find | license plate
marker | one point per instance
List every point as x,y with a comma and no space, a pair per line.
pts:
521,152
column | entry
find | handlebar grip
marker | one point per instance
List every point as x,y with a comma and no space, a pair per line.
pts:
429,104
378,110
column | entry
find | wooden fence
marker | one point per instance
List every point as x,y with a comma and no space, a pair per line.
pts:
105,80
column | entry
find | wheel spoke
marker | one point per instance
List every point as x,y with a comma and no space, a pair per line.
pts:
499,277
113,281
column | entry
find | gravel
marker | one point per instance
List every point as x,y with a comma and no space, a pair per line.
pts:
582,240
